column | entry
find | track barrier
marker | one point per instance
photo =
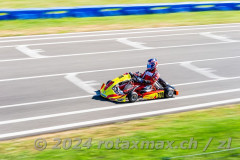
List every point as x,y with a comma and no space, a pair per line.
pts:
117,10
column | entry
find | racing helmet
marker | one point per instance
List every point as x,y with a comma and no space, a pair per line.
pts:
152,64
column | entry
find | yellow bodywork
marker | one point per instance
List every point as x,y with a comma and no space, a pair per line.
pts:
109,92
154,95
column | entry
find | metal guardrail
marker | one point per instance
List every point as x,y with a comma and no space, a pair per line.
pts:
117,10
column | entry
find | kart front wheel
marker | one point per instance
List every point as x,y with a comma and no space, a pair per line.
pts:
132,97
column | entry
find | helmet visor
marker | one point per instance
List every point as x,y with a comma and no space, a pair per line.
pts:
150,66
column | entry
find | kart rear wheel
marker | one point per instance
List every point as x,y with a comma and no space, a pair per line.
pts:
132,97
169,93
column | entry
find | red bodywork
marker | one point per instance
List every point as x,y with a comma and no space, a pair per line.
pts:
139,86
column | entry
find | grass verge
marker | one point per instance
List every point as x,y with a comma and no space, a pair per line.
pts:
64,25
220,123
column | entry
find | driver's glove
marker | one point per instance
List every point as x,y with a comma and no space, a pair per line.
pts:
131,74
138,73
140,80
147,81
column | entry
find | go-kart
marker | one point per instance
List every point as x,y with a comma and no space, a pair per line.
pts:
127,87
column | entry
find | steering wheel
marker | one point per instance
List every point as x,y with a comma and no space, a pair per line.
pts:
133,76
136,78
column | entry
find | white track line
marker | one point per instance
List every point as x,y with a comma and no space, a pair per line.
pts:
7,46
115,107
47,101
69,55
72,77
128,30
119,51
125,39
108,39
64,37
112,69
207,81
29,52
132,44
203,71
64,74
217,37
111,119
131,37
88,96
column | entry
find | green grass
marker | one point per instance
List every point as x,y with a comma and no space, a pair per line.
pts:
69,3
64,25
219,123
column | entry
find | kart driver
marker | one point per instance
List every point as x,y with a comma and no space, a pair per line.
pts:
151,78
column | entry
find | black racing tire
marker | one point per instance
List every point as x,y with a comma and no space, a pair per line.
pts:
132,97
169,92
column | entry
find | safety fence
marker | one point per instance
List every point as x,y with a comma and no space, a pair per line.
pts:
117,10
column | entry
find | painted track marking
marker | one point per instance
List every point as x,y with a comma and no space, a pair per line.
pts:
88,96
203,71
107,34
29,52
111,119
47,101
119,51
127,31
217,37
114,38
113,69
132,44
116,106
72,77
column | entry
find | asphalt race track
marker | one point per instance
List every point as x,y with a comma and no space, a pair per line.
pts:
48,82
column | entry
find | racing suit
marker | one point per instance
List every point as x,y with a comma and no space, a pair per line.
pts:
152,79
